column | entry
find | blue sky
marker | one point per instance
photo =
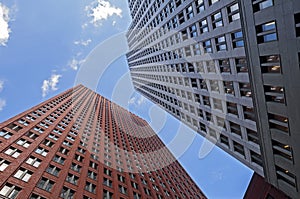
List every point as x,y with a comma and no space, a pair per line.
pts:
49,46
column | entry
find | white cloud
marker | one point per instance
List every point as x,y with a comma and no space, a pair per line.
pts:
75,64
1,85
114,23
50,84
83,43
101,10
137,101
2,104
4,28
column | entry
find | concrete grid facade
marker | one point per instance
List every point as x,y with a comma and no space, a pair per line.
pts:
80,145
220,67
189,58
272,30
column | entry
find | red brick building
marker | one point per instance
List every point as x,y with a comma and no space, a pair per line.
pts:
80,145
259,188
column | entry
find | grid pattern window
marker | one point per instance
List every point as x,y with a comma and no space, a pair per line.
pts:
270,64
45,184
10,191
286,176
237,39
23,174
266,32
3,164
221,43
274,94
200,7
233,12
217,20
262,4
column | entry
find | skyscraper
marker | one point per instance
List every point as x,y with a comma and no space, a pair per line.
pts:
228,69
189,58
80,145
272,35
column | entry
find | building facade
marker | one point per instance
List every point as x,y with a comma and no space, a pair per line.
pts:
229,69
272,33
189,58
259,188
80,145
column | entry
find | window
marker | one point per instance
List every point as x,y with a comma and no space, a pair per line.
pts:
41,151
245,90
224,66
286,176
282,150
71,178
45,184
189,12
241,65
34,161
107,182
232,108
274,94
262,4
122,189
193,31
147,191
200,5
278,122
36,196
233,12
13,152
121,178
221,43
270,64
214,85
228,87
236,129
3,164
5,134
134,185
252,136
107,194
203,26
224,140
53,170
59,159
10,191
136,196
76,167
67,193
64,151
92,175
23,174
207,46
217,20
249,113
256,158
90,187
24,143
237,39
211,2
297,24
238,148
266,32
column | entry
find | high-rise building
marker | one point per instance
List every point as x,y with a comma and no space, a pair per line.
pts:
272,36
80,145
189,57
229,69
259,188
